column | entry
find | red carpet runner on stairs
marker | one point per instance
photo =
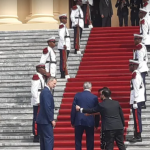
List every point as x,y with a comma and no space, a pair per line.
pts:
105,63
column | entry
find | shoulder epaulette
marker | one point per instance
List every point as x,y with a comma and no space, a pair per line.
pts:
74,7
142,21
139,46
45,50
35,77
134,75
61,26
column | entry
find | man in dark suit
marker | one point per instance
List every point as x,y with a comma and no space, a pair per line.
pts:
106,12
112,119
81,122
45,118
135,6
122,11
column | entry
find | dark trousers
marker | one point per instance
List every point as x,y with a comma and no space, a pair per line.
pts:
89,137
75,33
35,128
135,19
84,9
106,21
143,74
114,135
46,137
148,48
137,118
61,62
123,18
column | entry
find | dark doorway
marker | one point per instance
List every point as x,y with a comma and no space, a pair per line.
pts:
95,13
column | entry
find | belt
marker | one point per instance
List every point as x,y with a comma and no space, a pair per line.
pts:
52,62
78,17
67,36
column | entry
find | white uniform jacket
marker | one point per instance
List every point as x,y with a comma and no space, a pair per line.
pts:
77,16
64,37
147,7
49,59
137,88
37,84
145,31
141,54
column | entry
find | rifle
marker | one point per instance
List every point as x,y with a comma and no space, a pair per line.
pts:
88,17
77,45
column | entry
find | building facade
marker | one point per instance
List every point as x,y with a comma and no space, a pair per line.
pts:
36,14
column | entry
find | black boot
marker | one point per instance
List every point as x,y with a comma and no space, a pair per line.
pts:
136,138
62,74
75,51
36,139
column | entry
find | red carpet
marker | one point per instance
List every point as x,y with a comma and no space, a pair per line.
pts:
105,63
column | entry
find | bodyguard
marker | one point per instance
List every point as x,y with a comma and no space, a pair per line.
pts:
81,122
45,118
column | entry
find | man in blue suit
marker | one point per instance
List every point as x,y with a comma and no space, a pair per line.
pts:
45,118
81,122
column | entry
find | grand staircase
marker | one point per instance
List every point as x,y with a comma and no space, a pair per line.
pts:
104,63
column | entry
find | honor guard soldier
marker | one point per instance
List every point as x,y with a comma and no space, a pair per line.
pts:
135,6
136,99
49,57
145,28
146,5
86,8
122,11
64,46
77,19
37,84
140,54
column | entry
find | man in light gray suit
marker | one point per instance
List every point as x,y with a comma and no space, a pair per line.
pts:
106,12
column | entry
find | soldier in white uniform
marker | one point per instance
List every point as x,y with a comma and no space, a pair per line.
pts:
145,28
136,99
64,46
49,57
77,19
140,54
146,5
87,24
37,84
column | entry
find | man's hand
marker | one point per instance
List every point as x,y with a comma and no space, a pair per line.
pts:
72,126
87,114
53,123
102,16
77,108
65,47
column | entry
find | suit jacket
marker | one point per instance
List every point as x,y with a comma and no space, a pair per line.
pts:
105,9
139,4
87,100
46,113
124,9
111,114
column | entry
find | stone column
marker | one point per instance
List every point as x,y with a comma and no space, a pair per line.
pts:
42,12
56,9
8,12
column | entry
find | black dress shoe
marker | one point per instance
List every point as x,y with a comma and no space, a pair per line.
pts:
134,140
36,139
75,51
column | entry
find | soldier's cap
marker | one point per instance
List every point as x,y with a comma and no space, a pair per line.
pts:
40,65
134,61
138,36
51,39
143,10
63,16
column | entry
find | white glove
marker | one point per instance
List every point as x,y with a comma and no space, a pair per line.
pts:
135,106
90,26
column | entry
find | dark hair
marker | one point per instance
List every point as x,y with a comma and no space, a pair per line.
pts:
105,91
